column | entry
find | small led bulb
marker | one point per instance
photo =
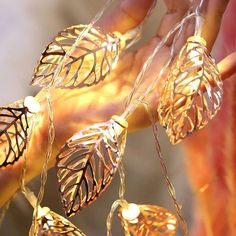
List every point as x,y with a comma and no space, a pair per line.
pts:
43,211
131,212
32,105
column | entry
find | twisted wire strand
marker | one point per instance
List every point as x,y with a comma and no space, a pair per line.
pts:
199,19
51,136
199,6
25,191
119,202
132,105
29,195
122,181
115,205
164,169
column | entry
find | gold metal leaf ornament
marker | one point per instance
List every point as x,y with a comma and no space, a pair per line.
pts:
147,220
14,127
92,59
88,161
49,223
193,92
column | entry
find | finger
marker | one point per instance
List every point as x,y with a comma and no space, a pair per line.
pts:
128,15
174,13
227,66
212,15
211,12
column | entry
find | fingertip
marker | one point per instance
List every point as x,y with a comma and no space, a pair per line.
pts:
227,66
128,15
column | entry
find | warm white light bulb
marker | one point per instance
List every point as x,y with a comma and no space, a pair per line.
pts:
131,212
43,211
32,105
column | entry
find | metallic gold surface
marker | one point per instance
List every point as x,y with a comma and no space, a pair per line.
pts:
14,125
49,223
93,58
87,163
152,221
193,92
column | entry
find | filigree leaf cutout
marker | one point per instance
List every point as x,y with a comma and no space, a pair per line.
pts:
14,125
88,161
50,223
152,221
193,92
15,121
92,59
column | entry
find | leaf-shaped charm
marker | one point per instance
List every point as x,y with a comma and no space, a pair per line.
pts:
150,221
193,92
14,126
49,223
13,134
92,59
88,161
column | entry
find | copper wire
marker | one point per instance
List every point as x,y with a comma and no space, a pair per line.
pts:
120,202
25,191
164,169
122,181
51,136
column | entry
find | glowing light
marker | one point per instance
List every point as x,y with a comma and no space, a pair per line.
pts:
171,227
42,212
101,143
50,223
193,92
83,63
147,220
131,213
32,105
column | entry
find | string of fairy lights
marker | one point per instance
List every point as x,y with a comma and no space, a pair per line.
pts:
82,56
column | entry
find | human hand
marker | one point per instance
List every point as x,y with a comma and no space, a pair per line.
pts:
76,109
